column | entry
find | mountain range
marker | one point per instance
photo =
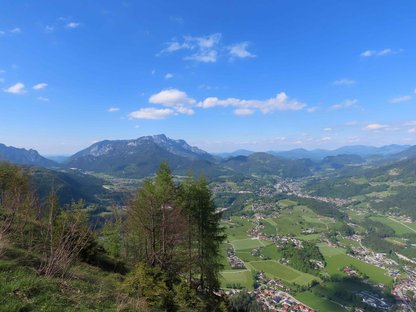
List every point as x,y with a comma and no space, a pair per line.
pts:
141,157
23,156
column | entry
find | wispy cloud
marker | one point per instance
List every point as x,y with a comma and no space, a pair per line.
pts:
345,104
243,111
18,88
43,99
40,86
49,28
168,76
400,99
62,23
279,102
206,49
312,109
12,31
210,56
113,109
376,126
326,139
327,129
151,113
344,82
72,25
239,50
384,52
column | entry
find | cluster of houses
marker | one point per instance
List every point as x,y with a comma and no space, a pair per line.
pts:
272,296
234,261
374,301
295,188
350,271
378,259
405,290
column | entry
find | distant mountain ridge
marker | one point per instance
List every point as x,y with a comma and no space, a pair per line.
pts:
23,156
360,150
176,147
240,152
141,157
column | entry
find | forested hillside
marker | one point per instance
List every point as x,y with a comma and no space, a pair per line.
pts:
161,253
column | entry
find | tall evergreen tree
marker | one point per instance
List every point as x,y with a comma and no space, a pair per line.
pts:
204,234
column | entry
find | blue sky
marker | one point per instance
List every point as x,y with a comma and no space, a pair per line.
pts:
223,75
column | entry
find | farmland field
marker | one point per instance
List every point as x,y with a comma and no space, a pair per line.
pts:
398,227
335,264
247,243
243,278
277,270
317,302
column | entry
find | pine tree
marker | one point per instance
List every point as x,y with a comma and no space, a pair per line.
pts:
204,234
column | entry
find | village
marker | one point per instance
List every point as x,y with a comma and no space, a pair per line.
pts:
272,296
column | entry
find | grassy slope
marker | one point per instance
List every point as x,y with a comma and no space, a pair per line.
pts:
23,289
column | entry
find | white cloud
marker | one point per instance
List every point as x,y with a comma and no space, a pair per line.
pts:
43,99
376,126
72,25
312,109
209,56
400,99
40,86
383,52
49,28
326,139
178,102
18,88
344,82
243,111
168,76
171,98
345,104
412,130
205,42
151,113
193,43
206,49
136,126
113,109
327,129
239,50
16,30
279,102
368,53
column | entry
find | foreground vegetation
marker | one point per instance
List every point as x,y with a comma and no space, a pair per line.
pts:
162,253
